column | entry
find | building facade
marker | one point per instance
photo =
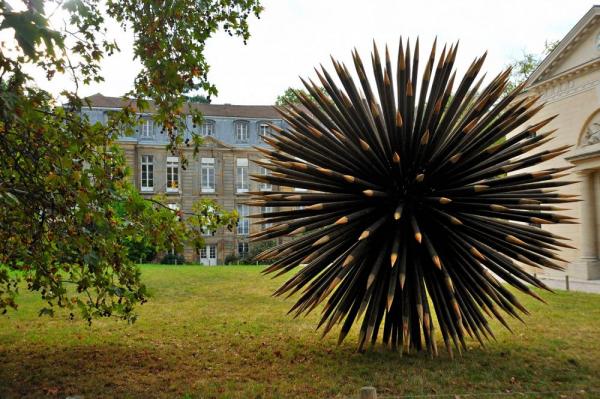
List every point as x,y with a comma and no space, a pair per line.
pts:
568,81
220,171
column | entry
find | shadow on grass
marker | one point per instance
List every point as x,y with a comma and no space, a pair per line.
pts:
280,369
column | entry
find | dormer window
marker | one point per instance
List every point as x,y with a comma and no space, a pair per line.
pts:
146,128
264,130
241,131
207,128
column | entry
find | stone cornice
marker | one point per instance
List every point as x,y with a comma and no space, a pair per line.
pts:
568,43
566,75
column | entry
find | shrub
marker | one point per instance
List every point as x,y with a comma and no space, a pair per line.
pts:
256,249
173,259
140,251
232,259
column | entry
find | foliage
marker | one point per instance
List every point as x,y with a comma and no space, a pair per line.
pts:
232,259
259,247
206,217
290,96
173,259
198,99
170,39
70,222
139,251
524,66
59,177
162,229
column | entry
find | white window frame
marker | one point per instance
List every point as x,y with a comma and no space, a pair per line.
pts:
172,170
267,209
265,186
207,165
242,134
264,130
242,183
146,126
147,167
243,226
207,129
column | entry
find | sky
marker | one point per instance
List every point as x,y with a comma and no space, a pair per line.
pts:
294,36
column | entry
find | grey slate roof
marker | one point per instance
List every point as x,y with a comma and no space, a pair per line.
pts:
225,110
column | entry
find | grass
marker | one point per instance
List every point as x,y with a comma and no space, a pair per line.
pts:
217,332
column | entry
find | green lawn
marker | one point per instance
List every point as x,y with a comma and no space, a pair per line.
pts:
217,332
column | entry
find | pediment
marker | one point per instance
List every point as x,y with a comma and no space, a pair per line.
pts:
578,49
211,142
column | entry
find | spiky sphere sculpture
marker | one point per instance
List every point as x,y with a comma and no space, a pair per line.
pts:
416,203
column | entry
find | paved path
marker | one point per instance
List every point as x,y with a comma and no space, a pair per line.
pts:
560,283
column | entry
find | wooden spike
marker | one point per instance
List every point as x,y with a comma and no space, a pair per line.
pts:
418,155
399,121
364,145
425,138
398,211
342,220
455,158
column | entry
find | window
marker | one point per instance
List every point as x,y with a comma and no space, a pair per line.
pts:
207,175
300,189
241,132
172,174
112,119
147,171
242,249
243,226
265,186
267,209
207,129
146,128
264,130
241,175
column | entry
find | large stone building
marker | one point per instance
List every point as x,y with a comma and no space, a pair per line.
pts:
220,171
568,80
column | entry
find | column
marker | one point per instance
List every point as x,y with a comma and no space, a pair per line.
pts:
588,216
587,267
597,202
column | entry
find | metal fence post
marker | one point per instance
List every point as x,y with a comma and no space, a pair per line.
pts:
567,281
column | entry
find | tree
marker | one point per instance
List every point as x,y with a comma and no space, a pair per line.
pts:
198,98
290,96
524,66
66,209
